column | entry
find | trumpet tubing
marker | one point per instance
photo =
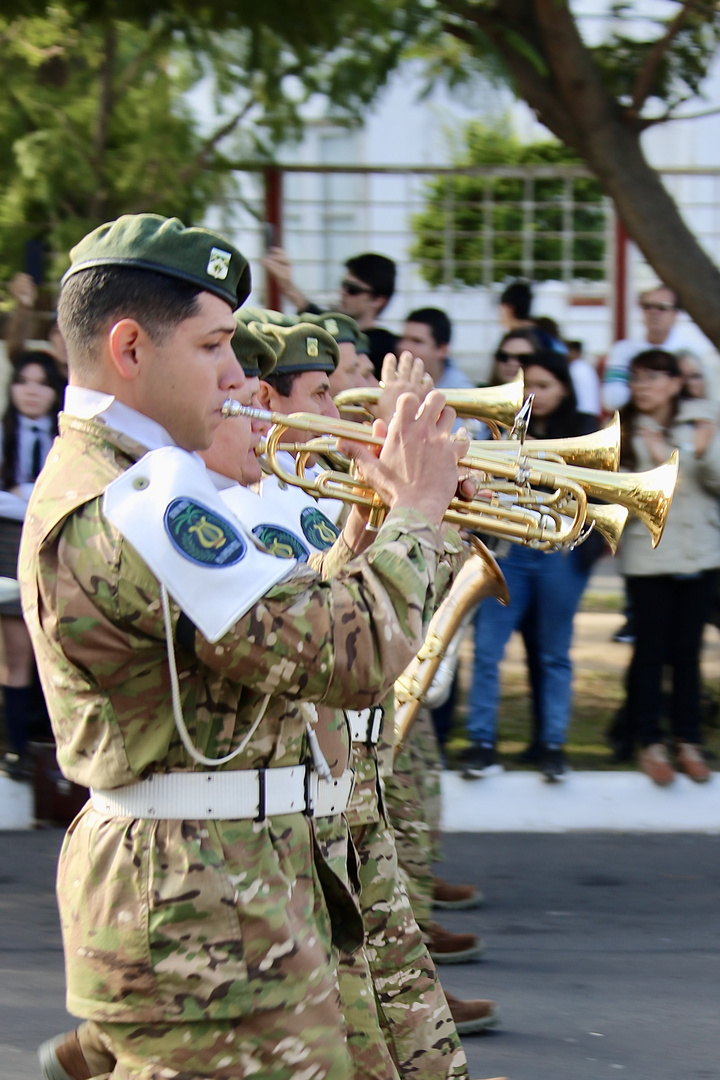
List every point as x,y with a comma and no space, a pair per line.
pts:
496,406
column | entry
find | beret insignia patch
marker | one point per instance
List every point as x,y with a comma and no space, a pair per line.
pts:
219,263
313,347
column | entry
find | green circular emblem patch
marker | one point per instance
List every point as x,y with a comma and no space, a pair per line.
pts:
318,529
201,535
281,543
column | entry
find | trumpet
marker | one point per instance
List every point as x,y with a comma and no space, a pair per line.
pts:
496,406
479,578
512,509
598,450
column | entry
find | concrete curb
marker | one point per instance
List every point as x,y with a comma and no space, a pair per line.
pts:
524,802
16,805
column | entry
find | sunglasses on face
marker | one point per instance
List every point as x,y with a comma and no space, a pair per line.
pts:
503,356
659,306
352,289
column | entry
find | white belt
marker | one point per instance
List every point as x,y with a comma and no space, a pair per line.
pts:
240,794
365,724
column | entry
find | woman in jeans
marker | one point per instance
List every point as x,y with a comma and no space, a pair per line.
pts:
672,586
545,591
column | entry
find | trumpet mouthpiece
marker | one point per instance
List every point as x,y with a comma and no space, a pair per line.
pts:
234,408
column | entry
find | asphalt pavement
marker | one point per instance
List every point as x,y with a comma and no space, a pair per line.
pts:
603,951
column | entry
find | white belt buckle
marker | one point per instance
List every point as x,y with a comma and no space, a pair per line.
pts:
365,724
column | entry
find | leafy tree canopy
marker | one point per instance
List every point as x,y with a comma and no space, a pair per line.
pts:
95,120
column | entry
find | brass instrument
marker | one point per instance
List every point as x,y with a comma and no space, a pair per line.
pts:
598,450
510,507
496,406
479,578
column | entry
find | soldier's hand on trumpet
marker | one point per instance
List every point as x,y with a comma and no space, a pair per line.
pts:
418,463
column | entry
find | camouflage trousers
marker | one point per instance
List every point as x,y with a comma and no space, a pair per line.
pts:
302,1043
412,796
413,1012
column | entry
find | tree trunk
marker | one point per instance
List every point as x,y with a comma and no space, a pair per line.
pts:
102,122
570,99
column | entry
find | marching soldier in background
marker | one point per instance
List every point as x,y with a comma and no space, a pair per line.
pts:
201,944
413,1010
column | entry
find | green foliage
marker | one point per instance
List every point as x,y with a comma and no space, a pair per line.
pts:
471,231
92,124
680,72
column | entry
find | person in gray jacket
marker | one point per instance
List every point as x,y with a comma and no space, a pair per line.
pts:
671,586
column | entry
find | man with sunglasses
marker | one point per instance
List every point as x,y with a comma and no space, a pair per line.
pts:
659,311
365,291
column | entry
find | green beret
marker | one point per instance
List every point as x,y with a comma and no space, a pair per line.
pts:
256,356
166,246
302,347
342,327
362,345
248,315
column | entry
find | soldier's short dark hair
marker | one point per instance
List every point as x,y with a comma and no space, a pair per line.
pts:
282,382
377,271
436,319
91,300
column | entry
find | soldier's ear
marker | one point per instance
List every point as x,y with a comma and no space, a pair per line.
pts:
126,340
264,395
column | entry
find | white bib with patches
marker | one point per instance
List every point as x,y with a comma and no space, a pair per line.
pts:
168,509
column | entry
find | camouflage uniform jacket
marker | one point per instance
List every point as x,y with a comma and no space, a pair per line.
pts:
373,763
167,919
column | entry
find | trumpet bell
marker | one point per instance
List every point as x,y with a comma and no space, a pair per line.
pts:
598,450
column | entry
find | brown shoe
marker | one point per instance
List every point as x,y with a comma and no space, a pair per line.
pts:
455,897
472,1016
689,760
447,948
655,764
62,1058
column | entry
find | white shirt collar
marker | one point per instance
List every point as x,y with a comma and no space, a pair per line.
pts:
86,404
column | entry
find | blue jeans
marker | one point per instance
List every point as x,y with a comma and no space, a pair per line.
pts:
552,584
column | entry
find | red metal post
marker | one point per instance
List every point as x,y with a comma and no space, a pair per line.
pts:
620,282
273,228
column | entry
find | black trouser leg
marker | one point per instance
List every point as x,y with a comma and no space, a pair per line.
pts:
692,602
652,599
17,707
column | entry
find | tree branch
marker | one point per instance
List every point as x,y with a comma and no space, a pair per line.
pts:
537,91
647,73
200,159
690,116
139,61
104,114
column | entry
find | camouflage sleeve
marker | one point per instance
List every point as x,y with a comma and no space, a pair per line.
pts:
327,564
341,642
455,552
